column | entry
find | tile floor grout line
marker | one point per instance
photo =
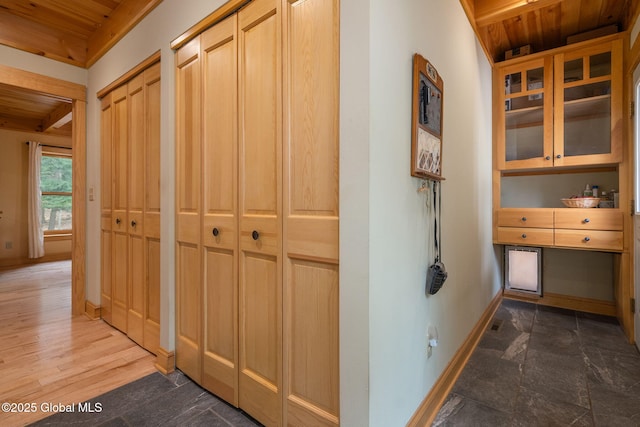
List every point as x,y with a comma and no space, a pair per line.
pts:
524,360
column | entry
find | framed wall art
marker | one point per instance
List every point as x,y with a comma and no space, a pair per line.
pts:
426,120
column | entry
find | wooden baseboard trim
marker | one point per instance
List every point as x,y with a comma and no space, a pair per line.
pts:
428,409
91,310
17,262
165,361
587,305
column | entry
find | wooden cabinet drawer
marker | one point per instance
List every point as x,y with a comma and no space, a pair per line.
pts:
515,217
589,239
588,219
525,236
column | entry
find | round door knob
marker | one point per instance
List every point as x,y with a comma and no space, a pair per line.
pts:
118,220
586,239
548,158
255,235
586,220
524,236
133,223
558,156
524,218
215,231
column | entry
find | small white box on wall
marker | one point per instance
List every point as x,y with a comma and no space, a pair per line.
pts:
523,269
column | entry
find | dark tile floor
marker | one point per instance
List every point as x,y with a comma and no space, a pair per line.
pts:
535,366
155,400
541,366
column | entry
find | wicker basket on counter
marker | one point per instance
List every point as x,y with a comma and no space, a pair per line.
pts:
582,202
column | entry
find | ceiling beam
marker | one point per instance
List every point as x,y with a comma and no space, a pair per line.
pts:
19,124
59,117
42,84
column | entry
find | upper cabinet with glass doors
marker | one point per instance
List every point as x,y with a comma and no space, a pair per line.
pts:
561,110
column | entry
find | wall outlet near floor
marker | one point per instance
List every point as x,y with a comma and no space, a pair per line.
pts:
8,245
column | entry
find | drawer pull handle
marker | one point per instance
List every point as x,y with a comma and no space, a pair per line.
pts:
586,239
134,223
524,218
215,231
558,156
255,235
586,220
547,158
118,221
524,236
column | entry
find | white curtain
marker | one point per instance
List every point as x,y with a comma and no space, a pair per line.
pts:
36,236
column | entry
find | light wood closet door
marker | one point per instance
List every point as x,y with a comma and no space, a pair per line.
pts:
311,212
260,178
119,237
130,150
188,217
106,129
220,203
135,225
151,216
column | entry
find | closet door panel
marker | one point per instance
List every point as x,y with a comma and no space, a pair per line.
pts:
188,218
135,314
152,141
188,130
220,229
106,130
119,223
152,208
188,310
135,205
313,361
152,295
260,338
260,200
311,217
105,245
136,155
119,294
220,330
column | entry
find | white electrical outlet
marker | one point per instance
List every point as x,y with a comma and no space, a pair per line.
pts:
432,339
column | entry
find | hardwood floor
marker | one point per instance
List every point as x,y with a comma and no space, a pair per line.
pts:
47,356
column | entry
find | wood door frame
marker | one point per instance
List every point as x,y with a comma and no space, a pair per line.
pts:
77,94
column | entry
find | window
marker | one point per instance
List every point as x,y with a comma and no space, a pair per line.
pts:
55,184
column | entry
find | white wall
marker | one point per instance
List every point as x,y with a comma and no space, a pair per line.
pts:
41,65
354,211
400,373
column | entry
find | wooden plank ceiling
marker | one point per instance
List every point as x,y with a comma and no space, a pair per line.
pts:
502,25
76,32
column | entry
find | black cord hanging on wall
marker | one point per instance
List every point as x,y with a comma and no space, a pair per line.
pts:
436,273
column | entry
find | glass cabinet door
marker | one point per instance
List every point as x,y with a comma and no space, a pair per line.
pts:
587,91
525,132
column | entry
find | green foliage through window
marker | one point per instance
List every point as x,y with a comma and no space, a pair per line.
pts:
56,185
